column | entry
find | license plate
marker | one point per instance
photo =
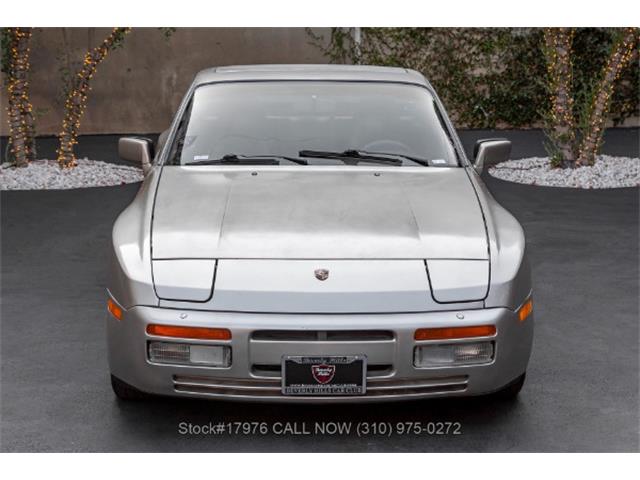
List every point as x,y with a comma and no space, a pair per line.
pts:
334,375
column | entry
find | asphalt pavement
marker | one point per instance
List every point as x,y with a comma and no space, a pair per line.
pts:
582,385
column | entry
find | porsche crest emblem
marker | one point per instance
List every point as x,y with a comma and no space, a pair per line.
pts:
321,274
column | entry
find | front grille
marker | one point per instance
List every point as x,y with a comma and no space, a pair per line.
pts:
271,389
322,335
267,347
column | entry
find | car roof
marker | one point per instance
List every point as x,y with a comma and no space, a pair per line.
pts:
309,72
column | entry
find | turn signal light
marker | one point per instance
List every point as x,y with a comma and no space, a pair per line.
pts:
199,333
525,310
449,333
114,309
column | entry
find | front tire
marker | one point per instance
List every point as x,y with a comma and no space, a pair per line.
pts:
126,392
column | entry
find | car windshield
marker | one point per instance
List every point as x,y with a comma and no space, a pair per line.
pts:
313,123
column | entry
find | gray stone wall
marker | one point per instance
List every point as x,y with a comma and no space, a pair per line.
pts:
138,87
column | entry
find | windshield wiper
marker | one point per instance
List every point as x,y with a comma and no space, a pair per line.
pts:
353,157
233,159
419,161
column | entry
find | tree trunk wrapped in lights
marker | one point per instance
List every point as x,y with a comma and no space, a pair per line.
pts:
561,122
621,54
77,97
576,143
20,112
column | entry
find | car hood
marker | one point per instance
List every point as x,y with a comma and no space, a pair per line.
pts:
317,213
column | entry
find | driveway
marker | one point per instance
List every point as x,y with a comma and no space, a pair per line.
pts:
582,385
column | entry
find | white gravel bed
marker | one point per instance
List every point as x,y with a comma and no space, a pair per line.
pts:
607,172
47,175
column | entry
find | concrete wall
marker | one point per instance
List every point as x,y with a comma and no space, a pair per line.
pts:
138,87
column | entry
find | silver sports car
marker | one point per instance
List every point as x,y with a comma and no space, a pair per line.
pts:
315,233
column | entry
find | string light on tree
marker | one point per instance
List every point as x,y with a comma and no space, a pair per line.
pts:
561,130
76,100
623,50
19,109
571,147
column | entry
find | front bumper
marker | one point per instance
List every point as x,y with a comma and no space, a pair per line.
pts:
259,341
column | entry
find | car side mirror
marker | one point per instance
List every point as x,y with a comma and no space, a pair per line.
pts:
138,150
490,151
